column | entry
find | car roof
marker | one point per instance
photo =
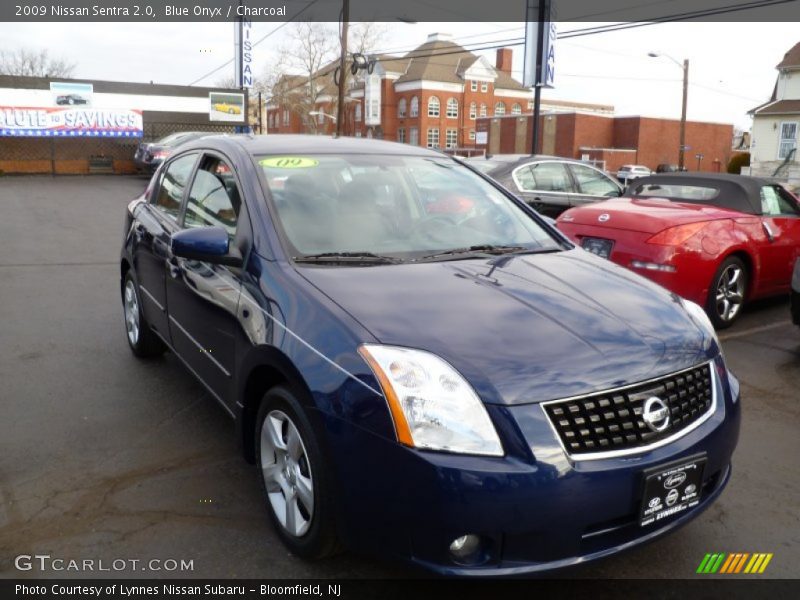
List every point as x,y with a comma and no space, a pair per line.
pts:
314,144
507,167
740,192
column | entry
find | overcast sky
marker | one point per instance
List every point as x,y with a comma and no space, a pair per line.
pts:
732,65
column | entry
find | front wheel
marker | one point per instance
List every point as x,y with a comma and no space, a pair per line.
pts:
726,295
294,476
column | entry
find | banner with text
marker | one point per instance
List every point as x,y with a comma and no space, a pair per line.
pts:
69,122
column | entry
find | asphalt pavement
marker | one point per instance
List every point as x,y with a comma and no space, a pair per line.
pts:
106,457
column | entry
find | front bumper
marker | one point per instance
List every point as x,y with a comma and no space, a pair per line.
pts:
535,509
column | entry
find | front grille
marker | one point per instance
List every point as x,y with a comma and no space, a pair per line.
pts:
612,421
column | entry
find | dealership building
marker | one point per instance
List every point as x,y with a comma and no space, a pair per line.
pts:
79,126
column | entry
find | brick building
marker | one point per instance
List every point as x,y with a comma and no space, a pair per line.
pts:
610,141
431,96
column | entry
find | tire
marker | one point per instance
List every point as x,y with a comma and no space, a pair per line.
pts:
310,531
141,339
728,291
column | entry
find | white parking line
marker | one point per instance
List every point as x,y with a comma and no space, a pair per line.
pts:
746,332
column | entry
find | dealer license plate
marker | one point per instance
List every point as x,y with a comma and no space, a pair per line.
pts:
598,246
671,490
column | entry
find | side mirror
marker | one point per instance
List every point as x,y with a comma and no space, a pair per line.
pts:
207,244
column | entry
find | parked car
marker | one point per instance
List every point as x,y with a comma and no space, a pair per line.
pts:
796,293
717,239
71,99
231,109
668,168
149,156
548,183
628,173
469,391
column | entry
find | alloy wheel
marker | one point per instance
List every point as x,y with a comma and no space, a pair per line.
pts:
131,305
287,473
730,292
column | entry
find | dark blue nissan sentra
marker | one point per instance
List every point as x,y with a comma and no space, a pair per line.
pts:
420,366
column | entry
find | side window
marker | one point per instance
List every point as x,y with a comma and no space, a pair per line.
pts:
551,177
524,178
775,202
592,182
173,182
214,197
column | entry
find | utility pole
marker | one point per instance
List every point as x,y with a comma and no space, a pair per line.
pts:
537,94
342,67
682,141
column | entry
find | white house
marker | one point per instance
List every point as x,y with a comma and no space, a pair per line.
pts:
776,124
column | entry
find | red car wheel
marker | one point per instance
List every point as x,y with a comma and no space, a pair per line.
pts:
726,295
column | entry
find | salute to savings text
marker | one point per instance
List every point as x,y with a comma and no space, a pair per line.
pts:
169,590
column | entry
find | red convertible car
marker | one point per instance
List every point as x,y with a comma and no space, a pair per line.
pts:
716,239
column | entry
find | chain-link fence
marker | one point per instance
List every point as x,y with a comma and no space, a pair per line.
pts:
87,154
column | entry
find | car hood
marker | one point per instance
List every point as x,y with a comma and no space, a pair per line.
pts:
531,328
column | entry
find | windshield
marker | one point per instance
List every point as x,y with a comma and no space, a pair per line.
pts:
403,207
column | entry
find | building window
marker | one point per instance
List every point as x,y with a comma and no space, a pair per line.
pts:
413,136
270,120
401,135
414,107
471,135
516,109
452,108
484,87
788,139
473,110
499,109
483,110
433,138
474,85
433,106
320,117
358,112
451,138
285,116
401,108
358,134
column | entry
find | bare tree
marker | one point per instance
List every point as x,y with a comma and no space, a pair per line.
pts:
34,63
303,71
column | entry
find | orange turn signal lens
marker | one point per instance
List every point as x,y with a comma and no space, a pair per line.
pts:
401,427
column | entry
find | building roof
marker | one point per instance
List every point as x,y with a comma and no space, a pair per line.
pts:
781,107
791,59
443,60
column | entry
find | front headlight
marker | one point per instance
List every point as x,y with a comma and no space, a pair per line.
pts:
432,405
699,316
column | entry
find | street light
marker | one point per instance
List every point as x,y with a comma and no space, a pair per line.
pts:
685,67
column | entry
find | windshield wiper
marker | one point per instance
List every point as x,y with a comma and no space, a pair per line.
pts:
477,249
348,257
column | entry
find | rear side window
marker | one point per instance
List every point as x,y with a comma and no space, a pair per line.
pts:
214,197
173,183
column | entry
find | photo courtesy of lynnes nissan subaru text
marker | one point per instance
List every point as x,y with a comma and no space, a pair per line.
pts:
462,389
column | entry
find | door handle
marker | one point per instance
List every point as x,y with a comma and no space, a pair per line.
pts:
768,231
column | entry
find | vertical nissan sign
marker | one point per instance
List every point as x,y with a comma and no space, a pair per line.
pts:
244,52
540,39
